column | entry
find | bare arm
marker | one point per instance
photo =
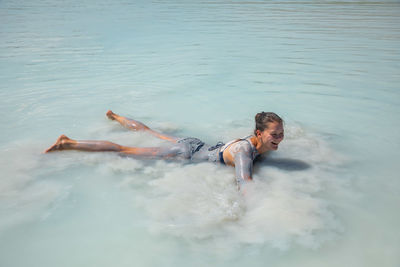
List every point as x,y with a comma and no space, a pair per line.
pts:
243,165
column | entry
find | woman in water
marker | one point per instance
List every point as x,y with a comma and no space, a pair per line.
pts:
239,153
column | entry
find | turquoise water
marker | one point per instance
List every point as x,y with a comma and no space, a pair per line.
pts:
328,197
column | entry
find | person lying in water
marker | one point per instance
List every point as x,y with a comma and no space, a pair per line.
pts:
239,153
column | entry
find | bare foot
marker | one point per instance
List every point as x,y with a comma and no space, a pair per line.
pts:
110,115
58,145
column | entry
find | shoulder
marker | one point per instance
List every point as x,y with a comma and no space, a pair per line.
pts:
241,146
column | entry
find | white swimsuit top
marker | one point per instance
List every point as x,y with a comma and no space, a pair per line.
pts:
235,146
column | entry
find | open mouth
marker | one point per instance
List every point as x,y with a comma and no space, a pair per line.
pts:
275,144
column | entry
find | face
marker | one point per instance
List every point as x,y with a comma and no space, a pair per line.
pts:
271,137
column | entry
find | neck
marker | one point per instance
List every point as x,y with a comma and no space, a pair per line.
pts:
258,145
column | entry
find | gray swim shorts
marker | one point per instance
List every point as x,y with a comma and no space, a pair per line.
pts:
193,145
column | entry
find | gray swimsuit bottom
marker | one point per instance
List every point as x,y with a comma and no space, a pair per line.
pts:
195,149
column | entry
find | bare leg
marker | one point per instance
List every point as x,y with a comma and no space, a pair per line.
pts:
65,143
138,126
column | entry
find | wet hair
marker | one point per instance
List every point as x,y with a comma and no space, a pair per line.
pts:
263,118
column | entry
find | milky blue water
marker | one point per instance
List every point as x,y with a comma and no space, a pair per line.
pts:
328,197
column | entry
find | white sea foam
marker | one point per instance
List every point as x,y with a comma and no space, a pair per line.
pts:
281,208
22,196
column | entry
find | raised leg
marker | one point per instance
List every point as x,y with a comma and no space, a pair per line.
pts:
65,143
138,126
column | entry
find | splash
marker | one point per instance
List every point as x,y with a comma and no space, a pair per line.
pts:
285,205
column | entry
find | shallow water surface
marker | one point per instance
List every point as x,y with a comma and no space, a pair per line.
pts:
328,197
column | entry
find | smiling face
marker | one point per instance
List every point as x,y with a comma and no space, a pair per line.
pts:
270,138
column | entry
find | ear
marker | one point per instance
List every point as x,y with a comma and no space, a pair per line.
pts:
258,133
